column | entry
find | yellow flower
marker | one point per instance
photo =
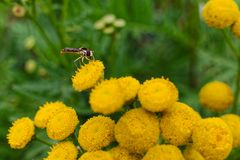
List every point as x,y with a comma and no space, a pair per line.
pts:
96,155
216,96
157,94
137,130
88,75
96,133
233,121
220,13
212,138
191,154
107,97
119,153
20,133
46,112
177,123
130,87
236,27
163,152
63,151
62,124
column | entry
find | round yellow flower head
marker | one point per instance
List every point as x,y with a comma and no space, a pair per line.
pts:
96,155
220,13
157,94
20,133
46,112
191,154
137,130
233,121
62,124
107,97
88,75
216,96
236,27
63,151
177,123
212,138
163,152
130,87
119,153
96,133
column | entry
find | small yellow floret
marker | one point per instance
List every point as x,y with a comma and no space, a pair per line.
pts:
130,87
107,97
63,151
233,121
177,123
212,138
216,96
236,27
157,94
163,152
46,112
191,154
220,13
62,124
137,130
20,133
88,75
96,133
96,155
119,153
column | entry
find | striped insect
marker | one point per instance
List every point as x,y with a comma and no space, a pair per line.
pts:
84,53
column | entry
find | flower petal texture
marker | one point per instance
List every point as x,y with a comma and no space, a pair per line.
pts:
107,97
21,133
236,27
212,138
96,155
163,152
216,96
220,13
130,87
88,75
46,112
177,123
191,154
233,121
96,133
119,153
137,130
62,124
63,151
157,94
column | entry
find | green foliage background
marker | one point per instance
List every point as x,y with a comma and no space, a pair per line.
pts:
161,38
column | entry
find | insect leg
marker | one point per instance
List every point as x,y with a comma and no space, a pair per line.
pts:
77,60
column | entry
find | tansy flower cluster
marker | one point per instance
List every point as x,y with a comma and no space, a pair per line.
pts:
152,124
109,24
222,14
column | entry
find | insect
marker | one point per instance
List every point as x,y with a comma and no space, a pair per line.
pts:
84,53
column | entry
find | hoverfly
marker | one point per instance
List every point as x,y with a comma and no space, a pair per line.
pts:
84,53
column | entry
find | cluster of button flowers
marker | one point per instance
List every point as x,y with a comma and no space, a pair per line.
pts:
222,14
158,128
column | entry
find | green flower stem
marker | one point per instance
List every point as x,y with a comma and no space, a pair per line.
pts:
231,45
34,8
43,33
43,141
75,141
237,83
236,95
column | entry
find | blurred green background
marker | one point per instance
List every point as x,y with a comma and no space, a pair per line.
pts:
160,38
